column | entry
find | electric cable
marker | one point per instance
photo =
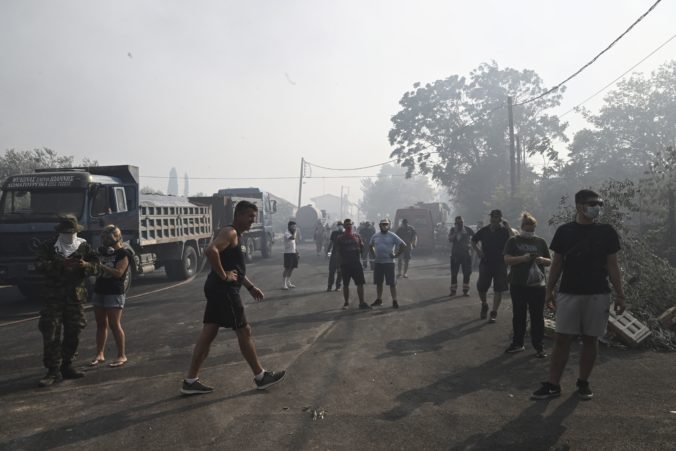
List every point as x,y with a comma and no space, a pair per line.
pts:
593,60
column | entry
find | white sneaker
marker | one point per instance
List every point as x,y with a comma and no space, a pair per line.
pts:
290,285
284,287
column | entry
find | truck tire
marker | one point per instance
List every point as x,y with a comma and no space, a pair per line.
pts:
184,268
32,291
267,247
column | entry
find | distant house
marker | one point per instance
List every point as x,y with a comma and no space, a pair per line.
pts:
332,205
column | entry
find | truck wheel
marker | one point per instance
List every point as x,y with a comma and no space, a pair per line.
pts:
30,291
267,247
184,268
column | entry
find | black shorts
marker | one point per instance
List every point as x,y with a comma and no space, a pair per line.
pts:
406,254
290,261
492,272
352,271
384,271
225,308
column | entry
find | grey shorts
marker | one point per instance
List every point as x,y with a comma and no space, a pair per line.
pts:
109,300
582,314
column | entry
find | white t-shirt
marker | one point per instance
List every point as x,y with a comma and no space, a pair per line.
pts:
289,244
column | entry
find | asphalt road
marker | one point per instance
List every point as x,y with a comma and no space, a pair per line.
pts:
429,375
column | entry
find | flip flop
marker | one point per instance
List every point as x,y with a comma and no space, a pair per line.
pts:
117,364
96,362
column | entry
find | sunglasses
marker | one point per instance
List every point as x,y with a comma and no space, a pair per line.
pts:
594,203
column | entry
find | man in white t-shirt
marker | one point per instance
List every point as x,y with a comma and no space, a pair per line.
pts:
290,255
386,246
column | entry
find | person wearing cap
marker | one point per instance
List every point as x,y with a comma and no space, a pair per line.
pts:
492,267
291,255
410,237
460,238
349,248
334,267
66,261
386,246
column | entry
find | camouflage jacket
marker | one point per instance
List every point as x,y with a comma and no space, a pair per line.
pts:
64,279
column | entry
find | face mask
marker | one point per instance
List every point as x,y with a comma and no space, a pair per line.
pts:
341,229
527,234
67,238
592,212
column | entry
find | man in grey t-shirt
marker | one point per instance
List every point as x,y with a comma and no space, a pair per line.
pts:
386,246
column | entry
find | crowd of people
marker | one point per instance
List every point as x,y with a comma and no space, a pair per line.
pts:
583,255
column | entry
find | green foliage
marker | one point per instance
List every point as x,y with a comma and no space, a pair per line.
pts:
149,190
430,135
382,196
26,161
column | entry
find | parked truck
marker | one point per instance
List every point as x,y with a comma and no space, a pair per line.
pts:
430,221
161,231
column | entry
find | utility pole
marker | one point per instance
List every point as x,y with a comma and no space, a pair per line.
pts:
518,160
300,182
512,169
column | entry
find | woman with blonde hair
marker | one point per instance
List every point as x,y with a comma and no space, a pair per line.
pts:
527,255
109,295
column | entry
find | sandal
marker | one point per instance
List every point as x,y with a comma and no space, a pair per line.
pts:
96,362
117,364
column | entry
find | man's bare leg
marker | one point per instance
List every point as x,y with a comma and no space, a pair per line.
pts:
497,298
201,351
559,357
248,349
360,293
346,294
588,356
393,292
379,291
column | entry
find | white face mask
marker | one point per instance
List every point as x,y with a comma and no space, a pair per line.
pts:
67,238
592,212
526,234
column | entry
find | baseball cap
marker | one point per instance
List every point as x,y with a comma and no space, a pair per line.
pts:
496,213
384,221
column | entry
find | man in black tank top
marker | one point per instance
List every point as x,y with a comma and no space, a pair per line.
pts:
226,254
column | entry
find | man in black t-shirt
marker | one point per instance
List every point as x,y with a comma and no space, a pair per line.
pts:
349,248
492,267
585,256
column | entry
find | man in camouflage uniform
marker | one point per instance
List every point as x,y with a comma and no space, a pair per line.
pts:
66,262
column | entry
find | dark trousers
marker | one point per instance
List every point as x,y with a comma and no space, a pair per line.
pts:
464,262
333,268
531,299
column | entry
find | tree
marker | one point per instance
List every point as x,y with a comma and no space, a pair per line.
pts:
391,190
25,161
635,124
430,134
150,190
172,188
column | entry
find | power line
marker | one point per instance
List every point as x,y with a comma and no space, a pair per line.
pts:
555,88
618,78
279,178
349,169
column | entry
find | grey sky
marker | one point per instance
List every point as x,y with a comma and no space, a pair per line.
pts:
236,89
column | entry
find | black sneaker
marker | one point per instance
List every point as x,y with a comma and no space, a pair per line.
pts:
452,293
583,390
364,306
494,315
514,349
52,377
547,391
269,379
196,388
484,311
395,304
540,353
329,289
465,292
377,303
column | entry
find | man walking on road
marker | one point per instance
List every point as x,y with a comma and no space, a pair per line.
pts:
366,231
460,238
291,255
224,308
386,246
492,267
334,266
349,247
585,256
410,237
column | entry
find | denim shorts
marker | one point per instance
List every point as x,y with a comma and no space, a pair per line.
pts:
109,300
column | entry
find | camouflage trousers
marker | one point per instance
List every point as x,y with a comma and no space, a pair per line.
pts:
55,316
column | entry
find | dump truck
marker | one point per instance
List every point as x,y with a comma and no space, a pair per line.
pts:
167,232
